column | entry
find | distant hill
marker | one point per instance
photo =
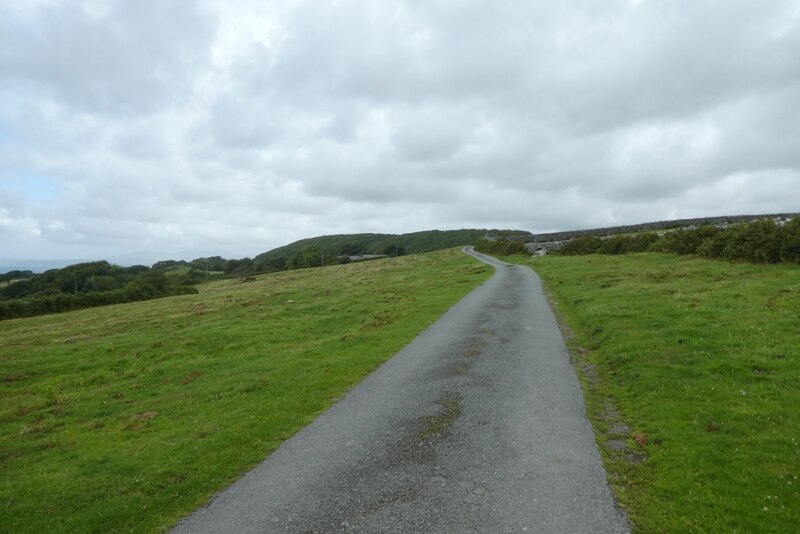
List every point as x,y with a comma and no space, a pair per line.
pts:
331,246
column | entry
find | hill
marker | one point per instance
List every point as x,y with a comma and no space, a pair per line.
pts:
313,251
126,418
83,285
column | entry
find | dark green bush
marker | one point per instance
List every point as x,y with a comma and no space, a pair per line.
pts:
686,241
143,288
582,245
758,242
761,241
790,242
500,247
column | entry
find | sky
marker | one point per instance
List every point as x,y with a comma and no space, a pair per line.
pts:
139,130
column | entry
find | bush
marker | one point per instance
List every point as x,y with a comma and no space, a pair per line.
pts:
758,242
500,247
582,245
618,244
139,289
790,241
761,241
686,241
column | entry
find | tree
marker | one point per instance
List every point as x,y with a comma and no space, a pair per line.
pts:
309,256
394,250
352,248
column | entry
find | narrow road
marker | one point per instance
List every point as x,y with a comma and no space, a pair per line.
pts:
478,425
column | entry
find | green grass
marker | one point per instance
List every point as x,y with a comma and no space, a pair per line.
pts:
700,362
126,418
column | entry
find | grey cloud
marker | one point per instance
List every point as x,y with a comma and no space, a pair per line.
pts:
141,140
239,122
131,57
668,60
394,116
430,133
369,53
759,133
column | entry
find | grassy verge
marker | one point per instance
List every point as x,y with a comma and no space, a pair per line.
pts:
127,417
691,371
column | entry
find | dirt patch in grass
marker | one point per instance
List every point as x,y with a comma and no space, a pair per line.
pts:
75,339
378,320
7,379
140,420
191,377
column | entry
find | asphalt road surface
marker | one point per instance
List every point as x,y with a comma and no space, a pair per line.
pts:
478,425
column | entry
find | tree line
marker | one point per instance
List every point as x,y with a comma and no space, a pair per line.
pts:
86,285
101,283
13,276
761,241
500,246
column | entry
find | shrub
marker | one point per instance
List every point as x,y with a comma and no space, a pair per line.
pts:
790,241
761,241
139,289
686,241
500,247
582,245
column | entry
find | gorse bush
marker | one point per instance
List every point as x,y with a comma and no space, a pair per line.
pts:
686,241
583,245
618,244
762,241
500,246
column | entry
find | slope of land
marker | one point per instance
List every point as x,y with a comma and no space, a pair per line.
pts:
128,417
389,244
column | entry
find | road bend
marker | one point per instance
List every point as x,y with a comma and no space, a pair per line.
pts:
478,425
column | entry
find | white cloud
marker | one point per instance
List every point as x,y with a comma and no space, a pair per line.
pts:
197,128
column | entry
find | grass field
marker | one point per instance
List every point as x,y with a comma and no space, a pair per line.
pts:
691,370
125,418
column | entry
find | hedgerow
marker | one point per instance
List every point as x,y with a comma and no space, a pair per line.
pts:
762,241
500,246
152,285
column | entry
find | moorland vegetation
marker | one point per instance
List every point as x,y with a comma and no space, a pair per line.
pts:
761,241
127,418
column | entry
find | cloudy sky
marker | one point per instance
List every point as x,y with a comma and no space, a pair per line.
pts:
153,129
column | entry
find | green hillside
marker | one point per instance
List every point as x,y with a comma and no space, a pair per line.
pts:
126,418
311,252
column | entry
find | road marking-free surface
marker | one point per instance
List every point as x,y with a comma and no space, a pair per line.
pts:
476,426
